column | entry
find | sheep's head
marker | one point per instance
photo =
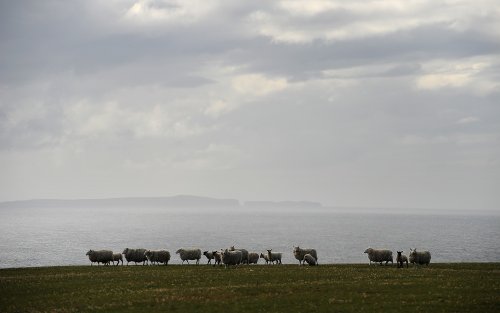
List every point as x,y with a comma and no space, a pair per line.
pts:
125,251
89,252
413,252
269,250
369,250
179,251
232,248
147,253
296,249
399,252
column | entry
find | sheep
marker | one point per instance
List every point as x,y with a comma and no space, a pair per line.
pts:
274,256
253,258
299,254
117,257
265,257
244,254
379,256
100,256
158,256
209,255
217,257
231,257
189,254
400,259
309,259
419,258
135,255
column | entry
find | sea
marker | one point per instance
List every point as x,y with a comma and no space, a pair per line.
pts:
32,237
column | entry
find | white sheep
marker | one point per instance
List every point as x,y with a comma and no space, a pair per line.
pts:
210,256
309,259
117,257
274,256
299,254
100,256
265,257
189,254
401,259
419,258
253,258
158,256
379,256
231,257
135,255
244,254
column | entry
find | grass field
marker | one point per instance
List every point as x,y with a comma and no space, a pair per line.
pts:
456,287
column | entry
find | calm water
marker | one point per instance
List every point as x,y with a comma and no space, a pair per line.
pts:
46,237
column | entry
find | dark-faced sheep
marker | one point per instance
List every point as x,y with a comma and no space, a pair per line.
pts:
217,257
209,255
401,259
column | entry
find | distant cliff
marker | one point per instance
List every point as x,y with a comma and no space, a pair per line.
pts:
282,204
158,202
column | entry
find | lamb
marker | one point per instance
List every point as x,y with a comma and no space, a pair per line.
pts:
299,254
210,256
189,254
231,257
135,255
400,259
117,257
100,256
420,258
244,254
379,256
253,258
158,256
217,257
265,257
309,259
274,256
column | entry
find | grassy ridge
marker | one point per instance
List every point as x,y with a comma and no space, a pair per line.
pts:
288,288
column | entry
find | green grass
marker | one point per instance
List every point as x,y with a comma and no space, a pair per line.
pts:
456,287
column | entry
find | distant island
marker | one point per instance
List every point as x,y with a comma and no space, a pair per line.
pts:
179,201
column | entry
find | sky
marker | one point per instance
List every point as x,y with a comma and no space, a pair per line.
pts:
350,103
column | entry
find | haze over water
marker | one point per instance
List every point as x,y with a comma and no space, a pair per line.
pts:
62,236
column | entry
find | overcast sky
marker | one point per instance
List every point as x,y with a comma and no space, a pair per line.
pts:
350,103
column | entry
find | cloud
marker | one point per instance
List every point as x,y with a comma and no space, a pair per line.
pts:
257,84
250,99
468,120
476,74
218,107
